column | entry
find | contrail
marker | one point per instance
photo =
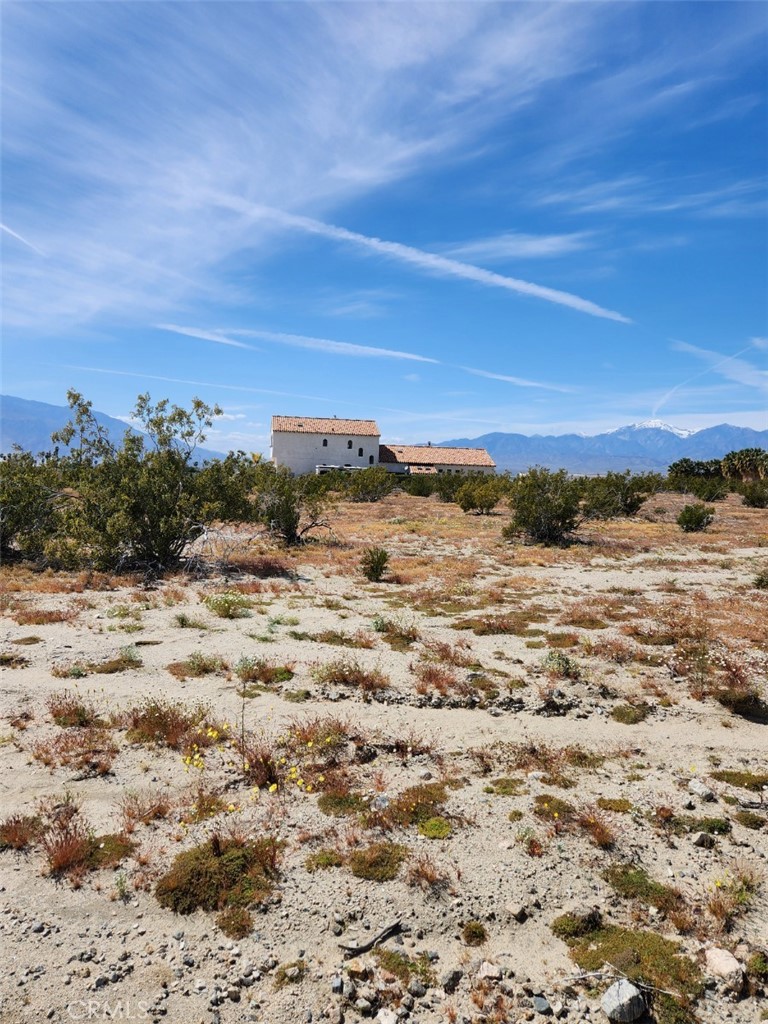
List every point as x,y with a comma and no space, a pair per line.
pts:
428,261
21,239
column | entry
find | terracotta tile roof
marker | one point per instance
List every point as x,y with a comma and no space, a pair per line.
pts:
325,425
431,455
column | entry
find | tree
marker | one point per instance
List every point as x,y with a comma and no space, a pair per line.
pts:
618,494
479,495
136,504
747,465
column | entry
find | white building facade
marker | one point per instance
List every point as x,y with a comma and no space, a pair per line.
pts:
304,444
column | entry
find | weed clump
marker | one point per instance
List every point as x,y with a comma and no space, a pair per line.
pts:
163,723
635,883
750,820
403,968
435,828
574,926
630,714
20,831
196,666
379,862
618,805
290,974
349,672
474,933
229,605
322,860
220,873
260,670
755,781
504,787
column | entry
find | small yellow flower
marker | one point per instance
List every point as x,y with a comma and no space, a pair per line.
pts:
231,807
273,788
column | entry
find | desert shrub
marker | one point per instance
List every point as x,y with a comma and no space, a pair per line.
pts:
695,518
755,494
750,820
340,802
290,507
143,808
229,605
630,714
197,665
139,504
398,633
760,582
163,722
260,670
19,831
619,494
403,968
560,666
504,787
220,873
90,751
379,862
424,873
349,672
617,804
574,926
30,497
10,659
374,563
67,709
474,933
545,506
371,484
479,495
755,781
184,621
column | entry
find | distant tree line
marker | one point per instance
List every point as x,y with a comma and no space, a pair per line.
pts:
140,503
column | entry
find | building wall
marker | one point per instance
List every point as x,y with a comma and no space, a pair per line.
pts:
301,453
399,467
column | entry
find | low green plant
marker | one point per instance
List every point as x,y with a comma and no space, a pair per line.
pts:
322,860
750,820
290,974
229,605
235,922
504,787
695,518
617,804
403,968
630,714
220,873
379,862
633,882
755,781
374,563
435,828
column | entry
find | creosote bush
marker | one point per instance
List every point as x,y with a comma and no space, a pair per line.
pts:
695,518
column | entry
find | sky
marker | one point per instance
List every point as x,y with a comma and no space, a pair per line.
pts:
454,219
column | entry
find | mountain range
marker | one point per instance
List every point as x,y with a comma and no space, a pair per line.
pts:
641,447
30,424
651,445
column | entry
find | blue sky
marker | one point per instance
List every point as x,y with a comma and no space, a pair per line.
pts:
455,219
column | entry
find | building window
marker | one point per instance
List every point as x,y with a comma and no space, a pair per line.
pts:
349,444
359,453
325,442
370,460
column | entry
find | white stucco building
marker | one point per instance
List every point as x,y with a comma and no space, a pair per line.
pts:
302,443
308,444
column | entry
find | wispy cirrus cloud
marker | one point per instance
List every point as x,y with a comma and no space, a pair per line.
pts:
512,245
338,348
521,382
730,367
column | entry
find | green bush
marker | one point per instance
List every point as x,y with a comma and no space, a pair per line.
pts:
374,563
291,507
755,493
695,518
230,605
370,484
479,495
619,494
546,506
30,497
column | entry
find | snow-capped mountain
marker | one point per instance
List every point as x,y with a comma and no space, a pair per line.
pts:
641,447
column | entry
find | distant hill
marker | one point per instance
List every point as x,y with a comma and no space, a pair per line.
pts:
641,447
30,425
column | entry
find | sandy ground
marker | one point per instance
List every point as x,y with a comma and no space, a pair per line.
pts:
100,946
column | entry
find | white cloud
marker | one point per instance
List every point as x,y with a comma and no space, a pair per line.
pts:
521,382
430,262
516,245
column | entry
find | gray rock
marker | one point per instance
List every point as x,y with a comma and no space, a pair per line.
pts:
541,1005
416,988
337,985
450,980
704,840
702,791
725,966
490,971
623,1002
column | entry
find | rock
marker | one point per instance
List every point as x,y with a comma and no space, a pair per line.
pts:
704,840
490,971
541,1005
700,790
450,980
416,988
623,1001
38,926
337,985
725,966
386,1016
518,912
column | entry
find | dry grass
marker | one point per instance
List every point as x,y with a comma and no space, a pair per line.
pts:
44,617
89,751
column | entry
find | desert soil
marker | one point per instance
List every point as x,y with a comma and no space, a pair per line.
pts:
552,642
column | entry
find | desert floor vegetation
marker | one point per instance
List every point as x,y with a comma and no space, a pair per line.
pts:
493,773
